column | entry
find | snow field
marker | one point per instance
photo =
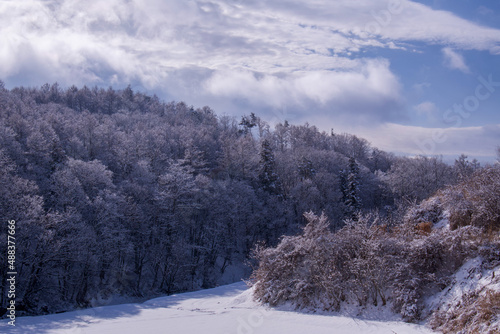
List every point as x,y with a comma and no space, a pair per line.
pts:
227,309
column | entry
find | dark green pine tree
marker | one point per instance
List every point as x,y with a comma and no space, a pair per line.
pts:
343,184
349,184
268,177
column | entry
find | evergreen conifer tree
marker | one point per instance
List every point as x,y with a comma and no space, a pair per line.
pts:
349,184
268,177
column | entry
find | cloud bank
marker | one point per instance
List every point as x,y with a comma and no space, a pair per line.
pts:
145,40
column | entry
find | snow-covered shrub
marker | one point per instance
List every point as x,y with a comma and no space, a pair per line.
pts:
426,265
475,201
299,270
365,253
319,269
429,210
362,264
490,253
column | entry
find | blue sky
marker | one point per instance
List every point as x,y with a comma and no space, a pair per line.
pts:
413,77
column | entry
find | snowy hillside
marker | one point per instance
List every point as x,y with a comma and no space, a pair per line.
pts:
224,310
470,303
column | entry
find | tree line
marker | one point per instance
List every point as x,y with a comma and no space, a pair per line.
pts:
115,192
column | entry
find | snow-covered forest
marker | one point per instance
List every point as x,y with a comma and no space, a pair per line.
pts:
116,193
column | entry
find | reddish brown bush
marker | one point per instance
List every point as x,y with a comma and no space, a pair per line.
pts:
424,228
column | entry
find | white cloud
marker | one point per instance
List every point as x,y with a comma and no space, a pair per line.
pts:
427,109
476,142
485,11
145,40
454,60
369,87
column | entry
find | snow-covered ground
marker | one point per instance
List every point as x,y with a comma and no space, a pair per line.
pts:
471,280
224,310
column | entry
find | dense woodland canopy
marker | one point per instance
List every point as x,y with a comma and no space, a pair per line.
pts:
115,192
